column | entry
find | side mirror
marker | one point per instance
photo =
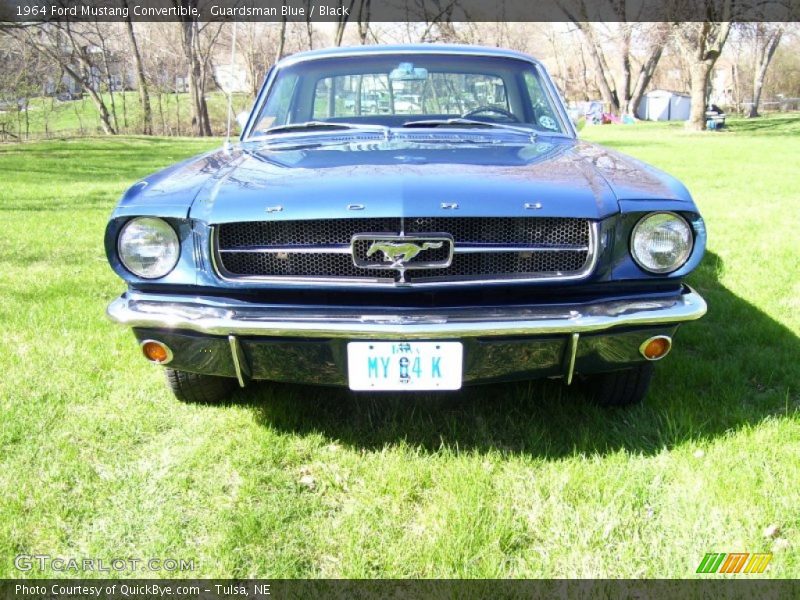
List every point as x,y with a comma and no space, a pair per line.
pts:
241,119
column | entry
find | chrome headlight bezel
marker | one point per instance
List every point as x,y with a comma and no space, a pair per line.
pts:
680,259
163,237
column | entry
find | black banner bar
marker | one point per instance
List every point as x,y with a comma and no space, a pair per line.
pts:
280,589
22,11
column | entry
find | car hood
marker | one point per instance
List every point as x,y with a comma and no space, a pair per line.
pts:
390,178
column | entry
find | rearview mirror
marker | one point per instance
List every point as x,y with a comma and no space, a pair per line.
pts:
407,72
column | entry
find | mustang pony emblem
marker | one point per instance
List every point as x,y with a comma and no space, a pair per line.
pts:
401,252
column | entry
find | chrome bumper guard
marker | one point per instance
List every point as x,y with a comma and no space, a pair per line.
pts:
212,317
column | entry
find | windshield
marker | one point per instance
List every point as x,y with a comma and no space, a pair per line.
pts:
398,90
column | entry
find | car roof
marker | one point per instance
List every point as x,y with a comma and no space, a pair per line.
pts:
455,49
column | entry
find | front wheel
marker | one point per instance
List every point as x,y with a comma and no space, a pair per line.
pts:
199,389
621,388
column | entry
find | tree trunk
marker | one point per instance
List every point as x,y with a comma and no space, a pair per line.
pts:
144,93
341,22
363,20
201,124
700,72
102,110
702,43
601,69
765,54
643,80
96,96
161,113
758,84
309,26
105,117
578,15
124,107
281,41
110,86
625,50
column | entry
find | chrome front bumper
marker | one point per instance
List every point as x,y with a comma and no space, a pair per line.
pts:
230,318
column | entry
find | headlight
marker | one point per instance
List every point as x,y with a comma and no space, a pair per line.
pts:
661,242
148,247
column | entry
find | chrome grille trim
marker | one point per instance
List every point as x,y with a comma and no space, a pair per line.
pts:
488,248
342,249
338,249
367,278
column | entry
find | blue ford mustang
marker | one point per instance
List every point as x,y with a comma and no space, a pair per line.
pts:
407,218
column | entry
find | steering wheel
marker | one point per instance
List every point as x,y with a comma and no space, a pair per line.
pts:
491,109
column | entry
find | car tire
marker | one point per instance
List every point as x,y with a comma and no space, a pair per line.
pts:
621,388
199,389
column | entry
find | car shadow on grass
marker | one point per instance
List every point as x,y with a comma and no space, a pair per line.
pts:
730,369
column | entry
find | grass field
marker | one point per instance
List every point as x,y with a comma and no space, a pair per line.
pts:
48,117
98,460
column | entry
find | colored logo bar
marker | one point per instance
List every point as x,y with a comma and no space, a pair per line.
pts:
734,562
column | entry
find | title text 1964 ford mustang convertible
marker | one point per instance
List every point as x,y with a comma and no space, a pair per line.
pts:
407,218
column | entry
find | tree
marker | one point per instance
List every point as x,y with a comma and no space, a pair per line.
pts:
436,17
167,69
603,76
198,52
309,25
657,34
190,32
102,35
784,72
766,37
71,47
702,44
255,45
341,20
281,46
623,95
24,76
364,13
141,79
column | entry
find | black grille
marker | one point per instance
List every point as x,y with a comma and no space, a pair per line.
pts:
286,248
300,233
506,264
521,231
260,264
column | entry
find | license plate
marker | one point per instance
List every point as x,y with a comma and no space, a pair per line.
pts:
404,365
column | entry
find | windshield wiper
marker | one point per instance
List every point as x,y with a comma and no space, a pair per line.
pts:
462,122
322,125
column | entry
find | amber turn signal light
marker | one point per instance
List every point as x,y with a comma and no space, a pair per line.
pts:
156,351
656,347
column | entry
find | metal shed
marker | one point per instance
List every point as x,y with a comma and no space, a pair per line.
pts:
664,105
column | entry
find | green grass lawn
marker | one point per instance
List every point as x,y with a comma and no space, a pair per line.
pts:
48,117
527,480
